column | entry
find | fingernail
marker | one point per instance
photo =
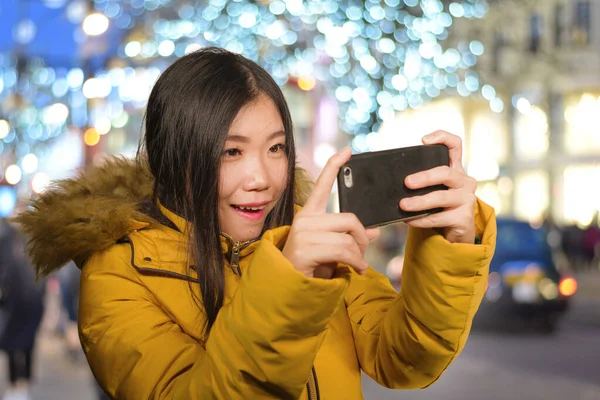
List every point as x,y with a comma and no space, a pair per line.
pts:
429,138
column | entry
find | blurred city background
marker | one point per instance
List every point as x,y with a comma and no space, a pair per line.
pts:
518,80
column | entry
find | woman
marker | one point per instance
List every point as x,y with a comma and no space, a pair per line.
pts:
203,278
21,311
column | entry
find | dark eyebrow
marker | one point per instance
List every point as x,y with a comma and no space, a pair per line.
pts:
245,139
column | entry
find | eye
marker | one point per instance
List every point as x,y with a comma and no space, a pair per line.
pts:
232,152
277,148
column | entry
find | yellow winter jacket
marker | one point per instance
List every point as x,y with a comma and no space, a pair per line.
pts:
279,334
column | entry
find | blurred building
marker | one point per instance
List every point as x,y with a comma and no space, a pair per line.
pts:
534,145
545,56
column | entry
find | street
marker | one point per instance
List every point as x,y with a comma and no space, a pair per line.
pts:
528,366
493,366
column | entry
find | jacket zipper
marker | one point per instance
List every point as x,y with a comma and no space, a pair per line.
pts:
312,386
234,259
234,253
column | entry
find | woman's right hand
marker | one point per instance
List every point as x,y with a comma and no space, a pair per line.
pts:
319,240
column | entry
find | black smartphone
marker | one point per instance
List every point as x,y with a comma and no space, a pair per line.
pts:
371,184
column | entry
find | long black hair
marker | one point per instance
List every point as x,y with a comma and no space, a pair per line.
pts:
188,116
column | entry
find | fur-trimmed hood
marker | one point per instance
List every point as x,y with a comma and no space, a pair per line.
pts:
75,218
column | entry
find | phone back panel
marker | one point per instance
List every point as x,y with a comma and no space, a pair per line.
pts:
378,182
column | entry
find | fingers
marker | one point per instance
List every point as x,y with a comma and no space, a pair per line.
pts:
452,142
317,201
331,247
373,233
439,198
443,219
444,175
340,223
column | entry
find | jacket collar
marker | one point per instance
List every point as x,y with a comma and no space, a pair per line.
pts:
228,244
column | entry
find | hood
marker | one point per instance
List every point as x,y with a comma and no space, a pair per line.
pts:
75,218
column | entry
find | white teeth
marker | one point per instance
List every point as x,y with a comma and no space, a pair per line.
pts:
251,208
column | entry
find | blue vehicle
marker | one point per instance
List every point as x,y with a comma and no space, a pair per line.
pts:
525,284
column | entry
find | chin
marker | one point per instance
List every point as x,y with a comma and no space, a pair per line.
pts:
246,234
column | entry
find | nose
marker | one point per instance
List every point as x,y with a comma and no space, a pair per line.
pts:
257,175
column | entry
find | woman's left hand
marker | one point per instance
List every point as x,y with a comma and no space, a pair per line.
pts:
457,221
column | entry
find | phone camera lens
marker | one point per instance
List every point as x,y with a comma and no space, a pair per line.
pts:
347,171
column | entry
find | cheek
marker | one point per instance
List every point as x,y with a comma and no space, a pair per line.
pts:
280,176
225,182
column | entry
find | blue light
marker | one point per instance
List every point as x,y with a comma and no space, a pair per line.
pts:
415,101
289,38
452,80
469,59
234,9
462,89
488,92
411,3
457,10
388,27
60,87
113,10
354,13
186,11
211,13
11,136
377,12
368,62
439,81
432,91
330,7
443,20
359,143
386,45
385,99
8,201
373,32
472,83
222,23
247,19
343,93
497,105
476,47
277,7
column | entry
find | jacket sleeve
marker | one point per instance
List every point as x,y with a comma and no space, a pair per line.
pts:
262,344
407,340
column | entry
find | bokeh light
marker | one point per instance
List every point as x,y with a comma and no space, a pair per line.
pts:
307,83
91,137
40,182
95,24
29,163
13,174
4,128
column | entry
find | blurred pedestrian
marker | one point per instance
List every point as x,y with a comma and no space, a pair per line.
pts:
209,272
591,244
21,311
68,279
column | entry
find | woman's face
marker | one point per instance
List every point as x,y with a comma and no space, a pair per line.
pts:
253,171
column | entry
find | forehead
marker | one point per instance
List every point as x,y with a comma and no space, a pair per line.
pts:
257,118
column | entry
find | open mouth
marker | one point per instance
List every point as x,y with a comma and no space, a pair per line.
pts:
249,209
251,213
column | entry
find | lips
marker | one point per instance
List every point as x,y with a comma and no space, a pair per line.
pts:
249,208
251,211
